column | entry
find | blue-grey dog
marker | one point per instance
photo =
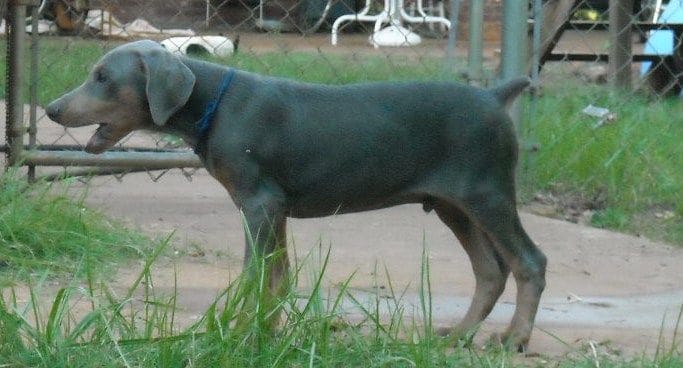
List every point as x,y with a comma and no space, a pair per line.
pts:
288,149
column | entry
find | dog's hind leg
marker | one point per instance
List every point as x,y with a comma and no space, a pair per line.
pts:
495,213
490,271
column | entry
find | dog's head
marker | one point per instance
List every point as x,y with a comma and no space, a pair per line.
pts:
134,86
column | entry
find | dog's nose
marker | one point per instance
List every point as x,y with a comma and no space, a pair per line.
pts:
52,111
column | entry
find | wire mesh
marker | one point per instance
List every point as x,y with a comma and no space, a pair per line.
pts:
288,38
604,144
604,133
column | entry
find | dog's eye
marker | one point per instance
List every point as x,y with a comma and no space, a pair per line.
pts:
100,77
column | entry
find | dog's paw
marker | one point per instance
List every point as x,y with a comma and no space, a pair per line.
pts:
508,341
457,336
444,331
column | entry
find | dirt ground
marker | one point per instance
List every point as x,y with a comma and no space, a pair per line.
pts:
602,286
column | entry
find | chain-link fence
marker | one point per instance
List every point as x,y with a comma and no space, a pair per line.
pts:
605,139
591,126
291,38
642,31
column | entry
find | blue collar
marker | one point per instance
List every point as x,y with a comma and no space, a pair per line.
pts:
204,124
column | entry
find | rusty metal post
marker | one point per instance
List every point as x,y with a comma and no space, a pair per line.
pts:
621,50
14,130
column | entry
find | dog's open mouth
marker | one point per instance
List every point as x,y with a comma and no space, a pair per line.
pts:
100,140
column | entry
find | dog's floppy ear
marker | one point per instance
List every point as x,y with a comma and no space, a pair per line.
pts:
169,84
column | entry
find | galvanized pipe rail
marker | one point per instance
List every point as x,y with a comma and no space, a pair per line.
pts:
32,155
132,160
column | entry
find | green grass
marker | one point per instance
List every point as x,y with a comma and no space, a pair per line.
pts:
61,66
139,328
43,230
89,321
340,69
634,162
65,65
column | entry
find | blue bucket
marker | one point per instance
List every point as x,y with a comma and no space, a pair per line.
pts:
662,42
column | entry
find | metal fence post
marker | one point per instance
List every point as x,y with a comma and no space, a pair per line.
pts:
514,48
452,34
620,52
475,59
33,90
537,41
14,129
527,128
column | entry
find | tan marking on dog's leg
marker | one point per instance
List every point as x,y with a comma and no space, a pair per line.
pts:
279,266
490,281
495,214
528,298
528,265
490,274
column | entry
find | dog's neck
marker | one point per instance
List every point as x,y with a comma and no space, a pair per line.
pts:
208,78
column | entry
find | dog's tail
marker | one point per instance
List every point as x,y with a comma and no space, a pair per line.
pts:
508,91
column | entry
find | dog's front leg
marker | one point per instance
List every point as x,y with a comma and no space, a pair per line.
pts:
266,245
265,256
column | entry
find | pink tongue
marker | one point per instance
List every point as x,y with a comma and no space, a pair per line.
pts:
96,144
